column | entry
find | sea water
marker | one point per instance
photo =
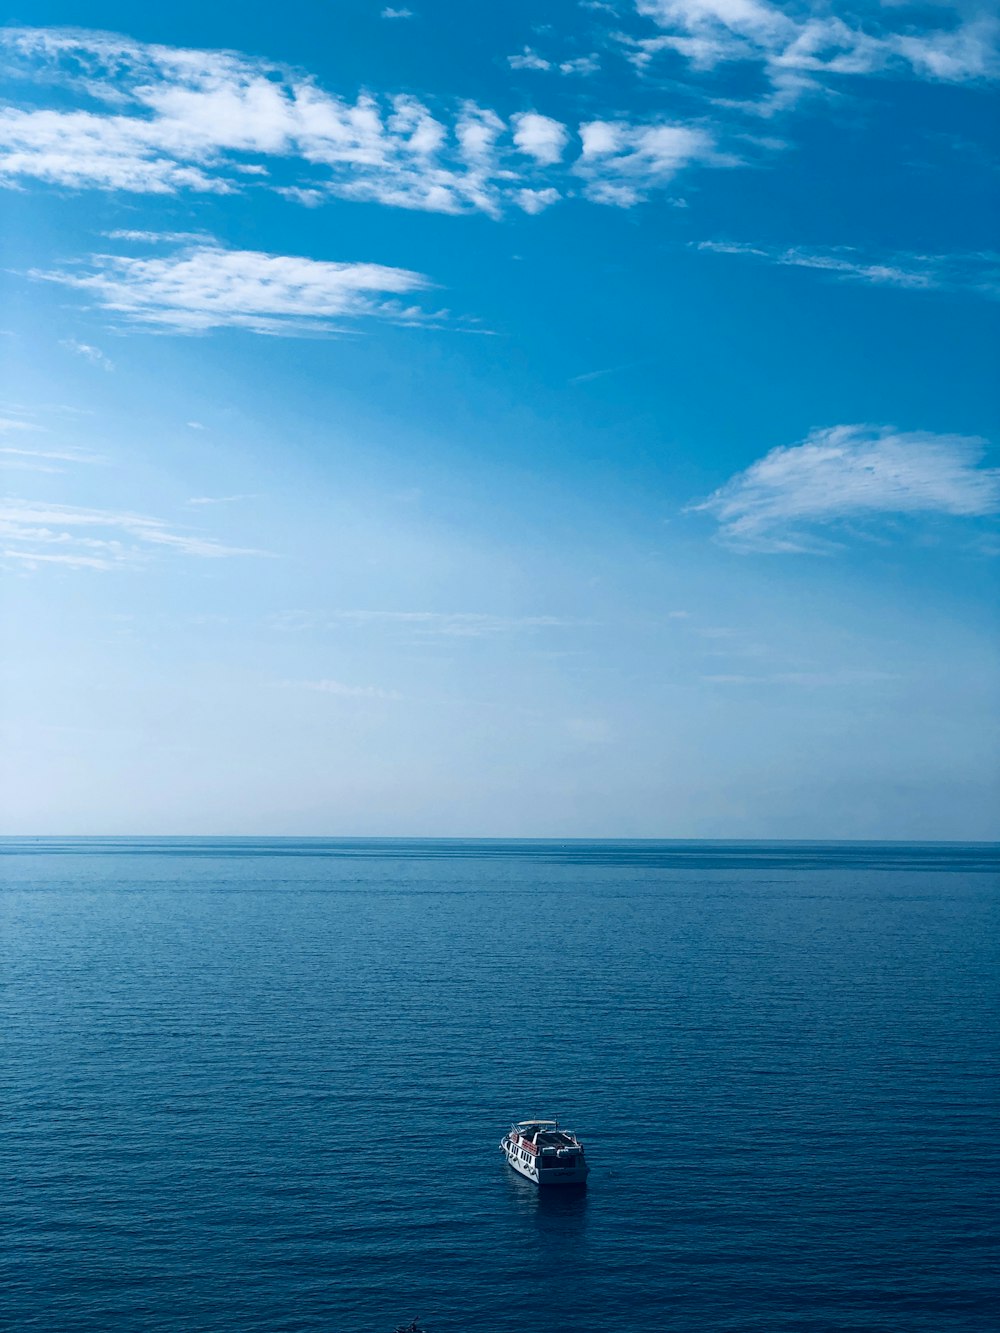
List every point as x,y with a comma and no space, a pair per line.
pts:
258,1085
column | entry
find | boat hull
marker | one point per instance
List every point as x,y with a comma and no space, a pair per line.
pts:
525,1164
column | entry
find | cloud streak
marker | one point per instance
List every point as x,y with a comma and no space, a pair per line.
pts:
92,354
31,458
975,273
450,624
43,460
342,691
850,474
808,680
35,534
203,287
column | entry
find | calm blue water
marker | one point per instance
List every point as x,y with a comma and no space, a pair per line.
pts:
258,1085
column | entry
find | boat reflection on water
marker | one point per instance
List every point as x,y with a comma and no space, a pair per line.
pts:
569,1201
564,1208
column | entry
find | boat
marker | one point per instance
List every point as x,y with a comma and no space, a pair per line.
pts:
544,1153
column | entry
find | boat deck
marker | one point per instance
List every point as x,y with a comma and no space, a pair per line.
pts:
556,1138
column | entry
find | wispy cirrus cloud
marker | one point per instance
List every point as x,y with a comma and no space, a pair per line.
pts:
159,237
342,691
451,624
588,376
807,680
975,273
789,499
90,353
204,286
37,458
170,120
798,49
35,534
43,460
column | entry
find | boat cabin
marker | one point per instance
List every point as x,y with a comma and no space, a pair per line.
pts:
551,1146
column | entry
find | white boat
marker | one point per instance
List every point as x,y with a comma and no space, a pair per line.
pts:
544,1153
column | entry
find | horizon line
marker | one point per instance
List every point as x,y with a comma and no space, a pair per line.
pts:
489,838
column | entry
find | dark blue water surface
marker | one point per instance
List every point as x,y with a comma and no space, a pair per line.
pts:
259,1084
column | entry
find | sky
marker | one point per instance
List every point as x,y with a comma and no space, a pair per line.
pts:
569,420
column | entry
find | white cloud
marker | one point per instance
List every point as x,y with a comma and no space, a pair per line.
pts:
797,47
204,287
529,59
536,201
390,13
203,120
580,65
163,120
540,137
599,138
34,534
851,473
343,691
622,162
477,130
978,273
92,354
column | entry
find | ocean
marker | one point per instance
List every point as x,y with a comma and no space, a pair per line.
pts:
257,1085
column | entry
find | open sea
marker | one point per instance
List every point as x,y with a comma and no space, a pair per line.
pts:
257,1085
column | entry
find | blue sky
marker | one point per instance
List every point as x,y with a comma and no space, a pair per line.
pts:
575,420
